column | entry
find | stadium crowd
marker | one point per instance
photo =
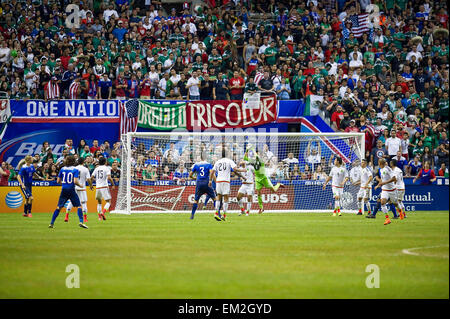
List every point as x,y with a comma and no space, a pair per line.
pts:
389,80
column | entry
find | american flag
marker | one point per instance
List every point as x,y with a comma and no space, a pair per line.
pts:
258,77
359,24
128,113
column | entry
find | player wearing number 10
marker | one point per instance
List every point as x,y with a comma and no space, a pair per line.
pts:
68,177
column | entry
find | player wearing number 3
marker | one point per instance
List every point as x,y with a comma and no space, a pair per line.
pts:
68,177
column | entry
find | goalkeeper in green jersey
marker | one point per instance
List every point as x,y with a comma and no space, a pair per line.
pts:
261,180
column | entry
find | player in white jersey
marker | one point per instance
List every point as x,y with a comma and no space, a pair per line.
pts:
387,182
247,188
338,176
365,188
400,186
102,174
223,167
83,177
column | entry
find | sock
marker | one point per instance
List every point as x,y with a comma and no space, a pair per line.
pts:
276,187
336,205
80,214
107,206
84,206
99,208
69,207
361,206
217,205
249,205
207,200
225,208
385,210
25,209
194,208
241,203
260,201
377,208
368,207
29,208
394,210
55,214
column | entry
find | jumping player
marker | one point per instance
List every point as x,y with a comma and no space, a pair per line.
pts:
387,182
25,179
400,186
261,180
68,177
84,176
102,174
365,188
202,169
247,188
223,167
339,176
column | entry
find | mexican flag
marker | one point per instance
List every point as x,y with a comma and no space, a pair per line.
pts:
312,106
164,116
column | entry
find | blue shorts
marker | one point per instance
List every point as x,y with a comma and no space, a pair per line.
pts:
68,194
204,189
26,191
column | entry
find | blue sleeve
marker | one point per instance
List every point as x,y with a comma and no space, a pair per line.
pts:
194,168
76,173
21,172
60,173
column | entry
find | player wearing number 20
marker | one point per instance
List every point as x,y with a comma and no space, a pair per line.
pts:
68,177
202,169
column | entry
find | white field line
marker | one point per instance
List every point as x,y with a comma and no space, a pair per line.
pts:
409,251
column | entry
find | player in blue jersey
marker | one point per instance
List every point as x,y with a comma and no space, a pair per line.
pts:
202,169
68,177
25,179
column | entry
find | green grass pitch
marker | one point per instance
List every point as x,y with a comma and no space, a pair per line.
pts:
308,255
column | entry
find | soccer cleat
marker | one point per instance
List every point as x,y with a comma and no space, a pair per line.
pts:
50,226
224,217
83,225
370,216
401,214
395,217
99,216
261,210
334,214
216,216
387,221
339,213
25,215
247,213
29,215
359,213
103,216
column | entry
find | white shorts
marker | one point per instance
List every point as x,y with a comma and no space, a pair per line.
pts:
247,189
391,194
222,188
400,194
102,193
337,191
82,195
365,193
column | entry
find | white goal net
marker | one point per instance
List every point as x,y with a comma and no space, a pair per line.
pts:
156,166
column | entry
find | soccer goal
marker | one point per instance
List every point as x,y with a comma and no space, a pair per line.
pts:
156,166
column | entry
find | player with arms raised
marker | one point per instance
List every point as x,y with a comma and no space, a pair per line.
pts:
25,179
247,188
387,182
81,191
68,177
338,176
365,182
223,167
202,169
400,186
102,174
261,180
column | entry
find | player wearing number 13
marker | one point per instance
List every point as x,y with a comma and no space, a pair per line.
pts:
68,177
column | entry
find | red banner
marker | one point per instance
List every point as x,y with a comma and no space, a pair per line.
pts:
180,198
229,114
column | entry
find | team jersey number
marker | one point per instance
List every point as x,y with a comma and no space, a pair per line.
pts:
202,171
100,174
67,178
221,167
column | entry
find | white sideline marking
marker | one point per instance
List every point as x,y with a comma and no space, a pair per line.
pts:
409,251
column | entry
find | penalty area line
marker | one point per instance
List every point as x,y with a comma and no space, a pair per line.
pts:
409,251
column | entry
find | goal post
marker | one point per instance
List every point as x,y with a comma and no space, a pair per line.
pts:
156,165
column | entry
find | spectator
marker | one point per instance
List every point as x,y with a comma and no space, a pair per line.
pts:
426,175
393,144
4,174
414,166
